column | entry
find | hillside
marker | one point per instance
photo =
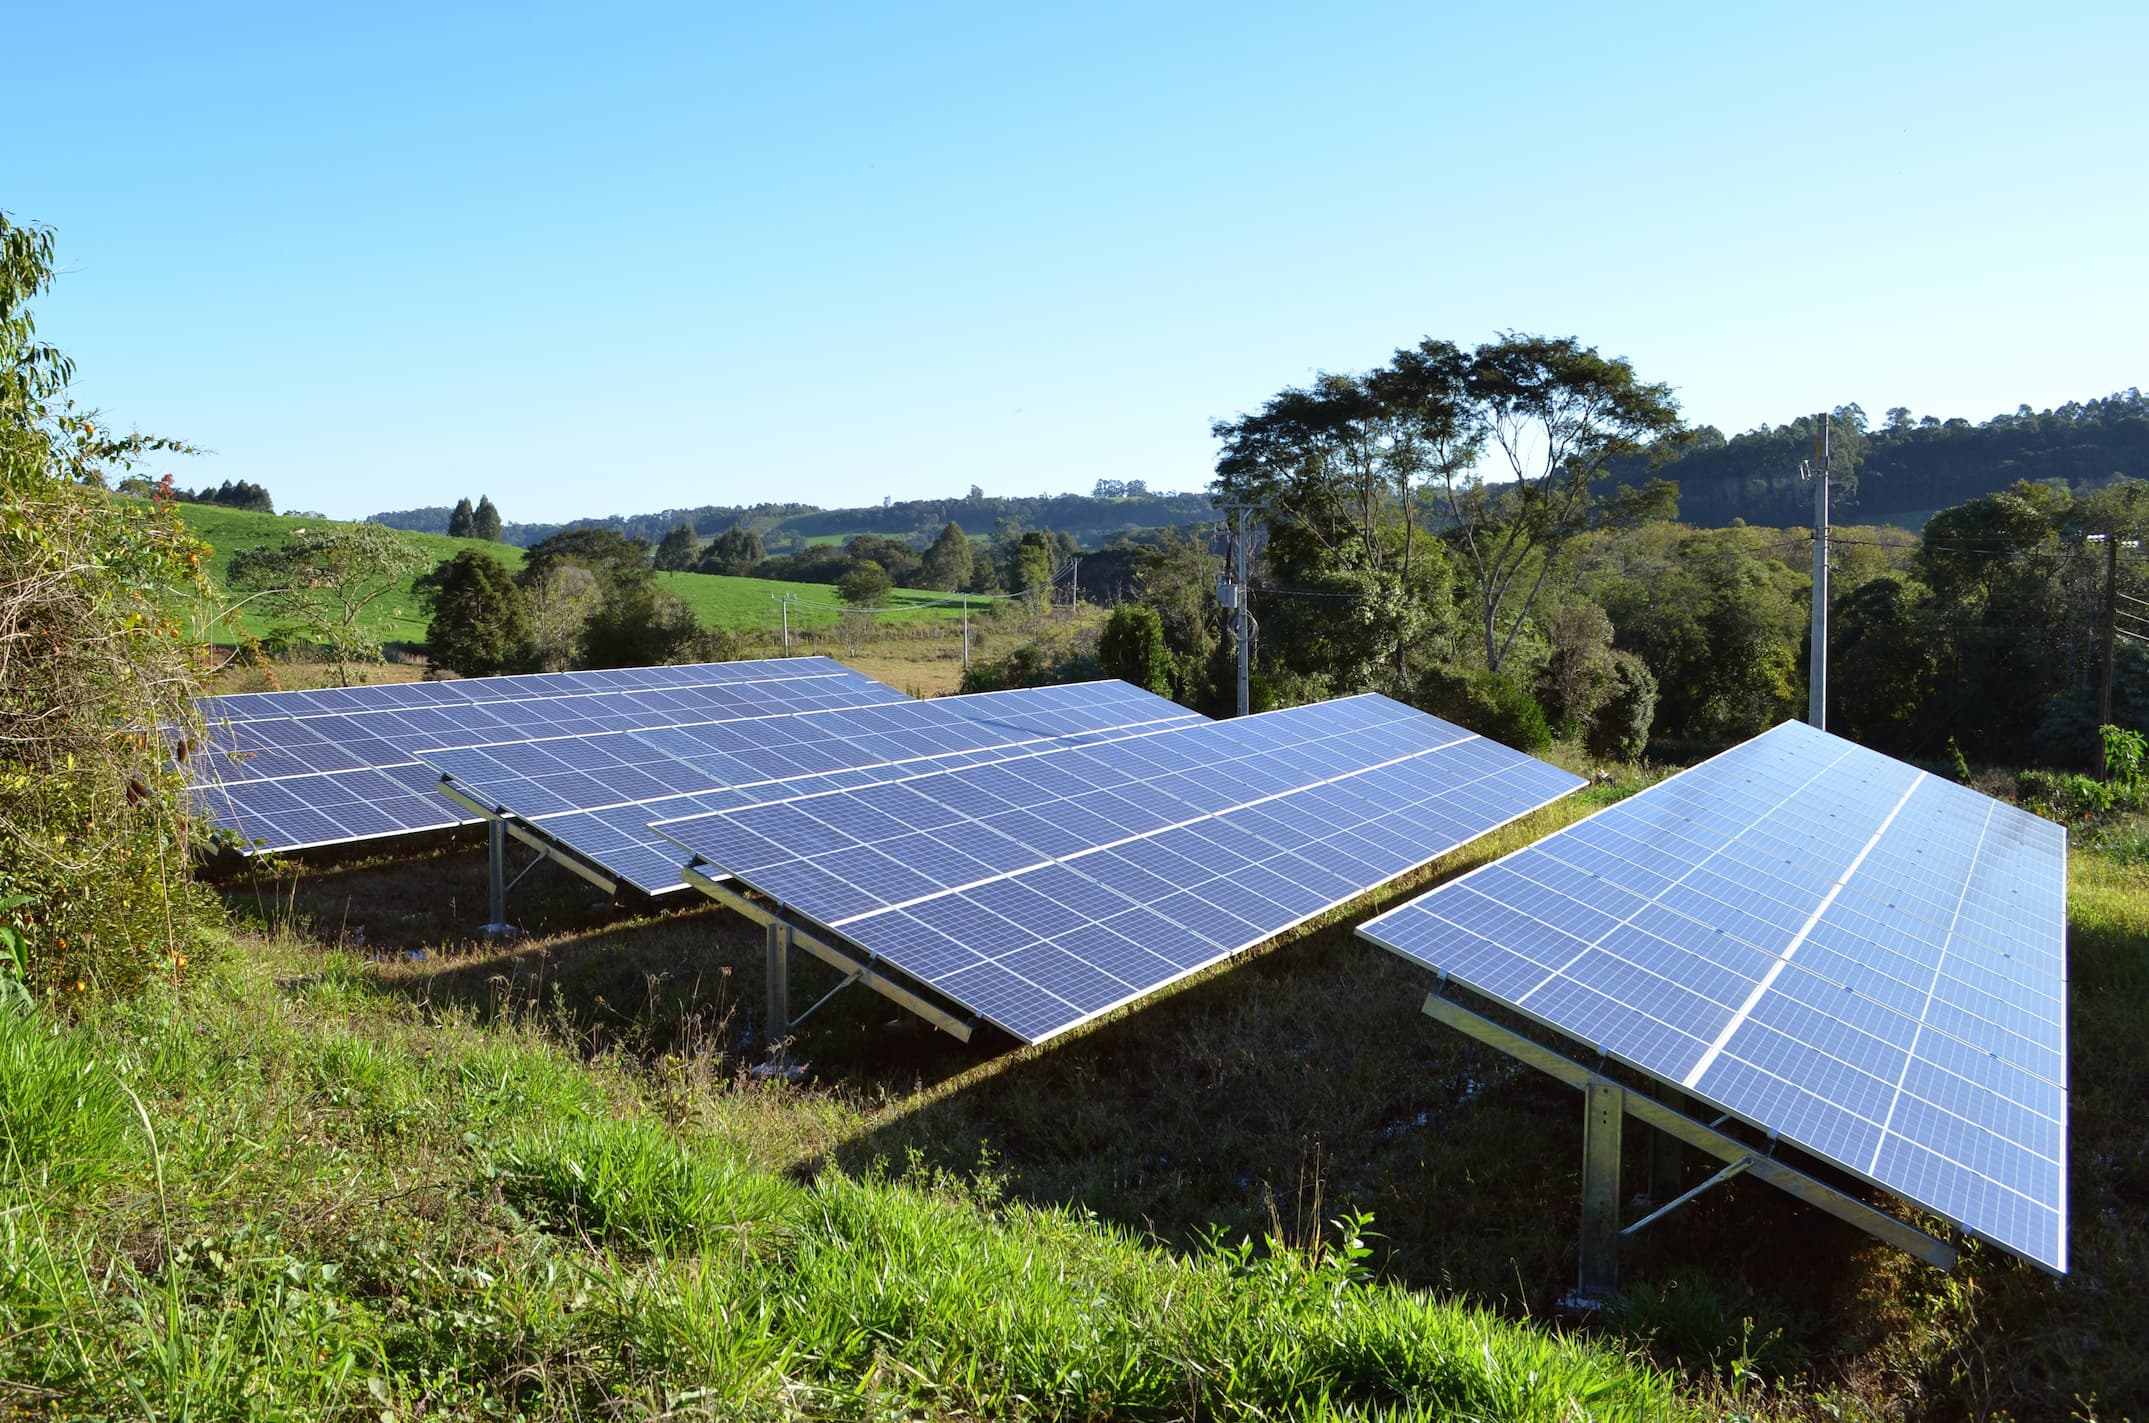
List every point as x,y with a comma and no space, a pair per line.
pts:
1091,520
736,604
1904,469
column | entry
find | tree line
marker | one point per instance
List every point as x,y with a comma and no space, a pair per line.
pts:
1906,465
1447,529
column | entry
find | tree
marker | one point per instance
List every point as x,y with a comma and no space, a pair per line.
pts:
321,582
948,562
462,524
1579,672
641,625
1620,729
1131,647
680,551
1556,412
613,557
736,551
485,520
1137,489
1031,567
481,616
561,603
1109,489
865,585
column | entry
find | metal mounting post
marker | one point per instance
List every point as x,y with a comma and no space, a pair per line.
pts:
777,1026
1600,1143
496,863
1667,1156
1604,1109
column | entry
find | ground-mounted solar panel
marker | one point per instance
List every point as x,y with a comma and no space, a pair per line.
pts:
1039,893
1830,945
595,795
348,772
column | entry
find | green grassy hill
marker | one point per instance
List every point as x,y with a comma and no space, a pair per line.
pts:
735,604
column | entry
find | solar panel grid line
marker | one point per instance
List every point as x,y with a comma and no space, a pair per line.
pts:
1923,1046
376,738
592,828
1165,882
1783,959
1177,972
1115,844
1551,852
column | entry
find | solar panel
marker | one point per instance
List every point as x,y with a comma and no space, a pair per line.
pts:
1825,942
331,775
1042,892
595,795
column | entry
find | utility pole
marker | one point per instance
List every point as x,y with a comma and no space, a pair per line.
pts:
1233,593
2111,627
1817,658
966,634
1074,588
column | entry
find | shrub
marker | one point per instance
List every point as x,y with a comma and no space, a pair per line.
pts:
865,585
95,679
1619,729
481,616
1131,648
1489,704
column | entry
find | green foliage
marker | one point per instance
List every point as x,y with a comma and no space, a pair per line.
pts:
1619,729
1131,647
95,683
462,521
611,558
865,585
321,581
948,563
735,551
1488,704
485,520
680,552
481,616
635,1183
638,624
1579,671
63,1119
2123,754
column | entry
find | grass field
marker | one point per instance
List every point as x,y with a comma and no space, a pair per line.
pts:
744,605
382,1165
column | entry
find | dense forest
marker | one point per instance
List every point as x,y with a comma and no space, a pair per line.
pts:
1901,470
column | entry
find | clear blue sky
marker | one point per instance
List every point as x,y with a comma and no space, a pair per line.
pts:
601,259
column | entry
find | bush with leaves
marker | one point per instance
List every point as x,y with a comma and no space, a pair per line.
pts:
320,582
481,617
1619,728
95,682
1132,648
1488,704
865,585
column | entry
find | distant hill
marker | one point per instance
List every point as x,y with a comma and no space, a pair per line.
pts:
1905,467
1091,520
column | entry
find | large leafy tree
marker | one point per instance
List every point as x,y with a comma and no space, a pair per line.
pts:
320,584
611,556
680,551
462,521
485,520
736,551
481,616
948,561
1131,647
1554,412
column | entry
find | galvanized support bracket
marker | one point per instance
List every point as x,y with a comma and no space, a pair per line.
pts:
499,824
1721,1145
853,970
1738,1167
1603,1112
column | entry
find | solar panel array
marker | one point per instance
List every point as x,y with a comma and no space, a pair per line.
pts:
1044,891
295,770
1823,941
595,795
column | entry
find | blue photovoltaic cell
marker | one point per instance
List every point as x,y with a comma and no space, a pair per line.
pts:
340,764
596,795
1043,891
1832,945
